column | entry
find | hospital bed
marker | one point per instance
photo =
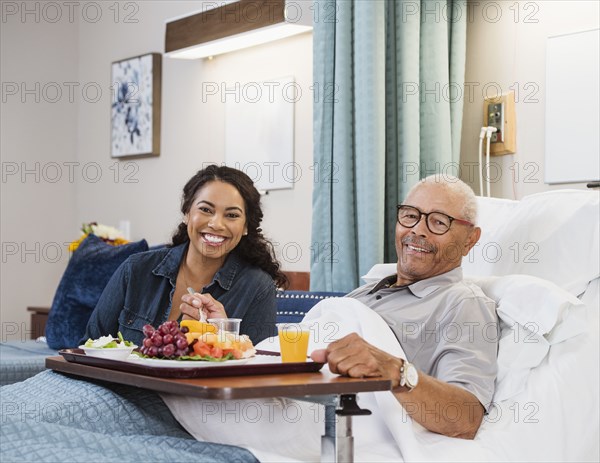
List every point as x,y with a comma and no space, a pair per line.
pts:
538,258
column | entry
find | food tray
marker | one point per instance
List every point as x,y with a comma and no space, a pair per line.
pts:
259,365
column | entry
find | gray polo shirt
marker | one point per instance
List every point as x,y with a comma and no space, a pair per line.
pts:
447,327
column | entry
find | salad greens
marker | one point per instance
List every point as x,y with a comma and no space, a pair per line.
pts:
108,342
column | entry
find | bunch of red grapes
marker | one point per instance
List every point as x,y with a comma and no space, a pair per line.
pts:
166,341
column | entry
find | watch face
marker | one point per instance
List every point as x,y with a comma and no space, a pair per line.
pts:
412,376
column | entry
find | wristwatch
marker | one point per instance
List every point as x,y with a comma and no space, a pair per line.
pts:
409,376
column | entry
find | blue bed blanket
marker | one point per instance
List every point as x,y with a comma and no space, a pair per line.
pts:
52,417
20,360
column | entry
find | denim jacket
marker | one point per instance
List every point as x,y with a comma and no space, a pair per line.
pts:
140,292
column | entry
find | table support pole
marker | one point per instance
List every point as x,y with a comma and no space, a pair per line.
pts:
337,444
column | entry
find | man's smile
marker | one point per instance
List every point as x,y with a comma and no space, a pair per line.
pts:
417,246
416,249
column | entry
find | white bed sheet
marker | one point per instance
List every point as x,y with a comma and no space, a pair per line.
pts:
555,418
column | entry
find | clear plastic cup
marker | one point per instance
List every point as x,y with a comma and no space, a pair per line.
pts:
230,325
293,340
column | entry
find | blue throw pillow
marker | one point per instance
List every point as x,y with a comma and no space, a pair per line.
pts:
86,276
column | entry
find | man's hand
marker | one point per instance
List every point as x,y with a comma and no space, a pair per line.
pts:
193,304
353,356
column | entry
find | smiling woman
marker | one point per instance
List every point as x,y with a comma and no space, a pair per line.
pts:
218,250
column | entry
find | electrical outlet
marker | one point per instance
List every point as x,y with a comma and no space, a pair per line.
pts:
496,119
499,112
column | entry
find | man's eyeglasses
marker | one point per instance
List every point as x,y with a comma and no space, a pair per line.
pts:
438,223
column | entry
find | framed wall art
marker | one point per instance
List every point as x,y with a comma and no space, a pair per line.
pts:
135,112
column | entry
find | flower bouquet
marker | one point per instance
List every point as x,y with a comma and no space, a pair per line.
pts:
108,234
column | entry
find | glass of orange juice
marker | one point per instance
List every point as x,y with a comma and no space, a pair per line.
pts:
293,340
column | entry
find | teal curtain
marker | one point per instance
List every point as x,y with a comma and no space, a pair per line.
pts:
388,78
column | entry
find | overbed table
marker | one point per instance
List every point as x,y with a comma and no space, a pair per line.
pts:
336,393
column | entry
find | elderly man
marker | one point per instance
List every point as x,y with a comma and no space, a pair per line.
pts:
442,323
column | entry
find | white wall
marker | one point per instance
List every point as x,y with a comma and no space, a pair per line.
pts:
145,191
38,143
506,44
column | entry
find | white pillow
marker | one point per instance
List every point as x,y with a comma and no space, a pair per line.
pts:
553,235
534,314
536,304
493,215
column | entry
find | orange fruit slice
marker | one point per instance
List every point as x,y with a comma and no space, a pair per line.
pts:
195,326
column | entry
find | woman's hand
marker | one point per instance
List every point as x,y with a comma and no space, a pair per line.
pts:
193,305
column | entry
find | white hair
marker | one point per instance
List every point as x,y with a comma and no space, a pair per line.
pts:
455,186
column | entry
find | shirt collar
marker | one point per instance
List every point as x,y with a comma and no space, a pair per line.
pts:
169,267
424,287
385,283
427,286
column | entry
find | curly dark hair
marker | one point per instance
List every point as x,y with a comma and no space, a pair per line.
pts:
253,247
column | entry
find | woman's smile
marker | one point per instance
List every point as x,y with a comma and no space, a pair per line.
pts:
212,239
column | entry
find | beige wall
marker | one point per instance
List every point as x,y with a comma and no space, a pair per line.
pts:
192,134
38,146
506,44
144,191
40,214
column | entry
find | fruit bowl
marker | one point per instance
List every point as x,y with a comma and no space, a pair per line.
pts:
114,353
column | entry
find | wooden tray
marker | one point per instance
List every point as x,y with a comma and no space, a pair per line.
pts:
260,365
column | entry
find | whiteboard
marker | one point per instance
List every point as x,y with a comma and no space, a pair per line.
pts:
259,131
572,108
